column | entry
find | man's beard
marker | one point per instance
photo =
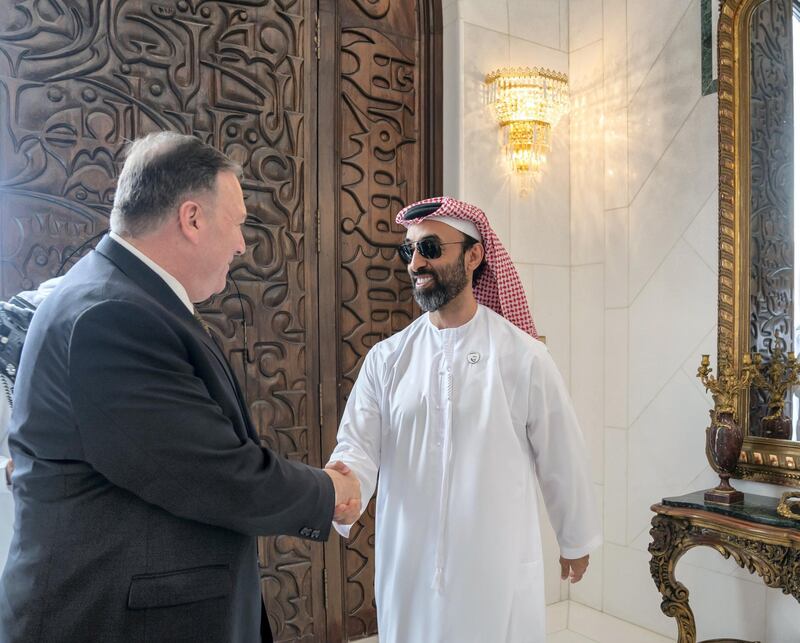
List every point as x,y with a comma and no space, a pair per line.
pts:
448,282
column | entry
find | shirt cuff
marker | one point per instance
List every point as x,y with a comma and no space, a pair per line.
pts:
5,482
342,530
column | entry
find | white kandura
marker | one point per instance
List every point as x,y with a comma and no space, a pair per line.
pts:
460,444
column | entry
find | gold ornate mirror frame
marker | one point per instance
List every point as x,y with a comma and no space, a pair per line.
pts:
762,459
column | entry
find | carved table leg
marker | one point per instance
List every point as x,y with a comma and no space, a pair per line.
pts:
665,549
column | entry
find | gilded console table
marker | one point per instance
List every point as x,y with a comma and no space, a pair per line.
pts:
753,534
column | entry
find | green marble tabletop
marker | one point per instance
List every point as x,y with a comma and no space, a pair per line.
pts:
758,509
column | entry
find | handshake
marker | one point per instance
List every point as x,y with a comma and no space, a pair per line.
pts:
348,493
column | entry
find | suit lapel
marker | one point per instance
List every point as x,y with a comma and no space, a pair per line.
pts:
155,286
216,350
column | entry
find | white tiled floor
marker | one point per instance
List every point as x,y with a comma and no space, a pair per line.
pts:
590,625
565,636
571,622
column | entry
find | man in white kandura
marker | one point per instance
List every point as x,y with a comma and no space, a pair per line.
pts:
461,412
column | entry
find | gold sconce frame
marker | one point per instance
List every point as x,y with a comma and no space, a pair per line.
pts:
761,459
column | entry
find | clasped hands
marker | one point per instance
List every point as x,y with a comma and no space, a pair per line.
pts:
348,493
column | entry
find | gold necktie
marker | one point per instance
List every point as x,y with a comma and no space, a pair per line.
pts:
202,323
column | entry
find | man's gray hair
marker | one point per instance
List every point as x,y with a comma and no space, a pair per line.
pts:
161,171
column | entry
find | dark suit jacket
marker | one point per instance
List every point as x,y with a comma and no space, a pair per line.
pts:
140,484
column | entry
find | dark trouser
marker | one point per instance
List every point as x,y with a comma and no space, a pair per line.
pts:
266,632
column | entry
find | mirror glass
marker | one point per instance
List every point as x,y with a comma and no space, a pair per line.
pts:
795,400
774,45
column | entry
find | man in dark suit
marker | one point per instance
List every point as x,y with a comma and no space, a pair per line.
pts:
140,483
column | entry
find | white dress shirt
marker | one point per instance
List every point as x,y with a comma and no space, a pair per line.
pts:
173,283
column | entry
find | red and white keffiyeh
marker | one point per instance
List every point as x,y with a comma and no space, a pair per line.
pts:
499,287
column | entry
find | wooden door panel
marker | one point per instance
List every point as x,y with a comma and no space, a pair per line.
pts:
379,174
78,80
380,109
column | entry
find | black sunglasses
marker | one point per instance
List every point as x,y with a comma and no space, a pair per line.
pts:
427,248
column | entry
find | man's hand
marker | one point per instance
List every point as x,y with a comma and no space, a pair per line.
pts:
574,568
348,493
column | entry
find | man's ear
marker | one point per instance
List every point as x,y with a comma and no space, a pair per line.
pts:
190,219
476,254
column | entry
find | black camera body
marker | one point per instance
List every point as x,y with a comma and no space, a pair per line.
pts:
15,318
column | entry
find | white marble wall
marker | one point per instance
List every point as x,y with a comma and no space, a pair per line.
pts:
480,36
643,218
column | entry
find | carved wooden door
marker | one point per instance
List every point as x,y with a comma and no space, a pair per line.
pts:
380,94
79,78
